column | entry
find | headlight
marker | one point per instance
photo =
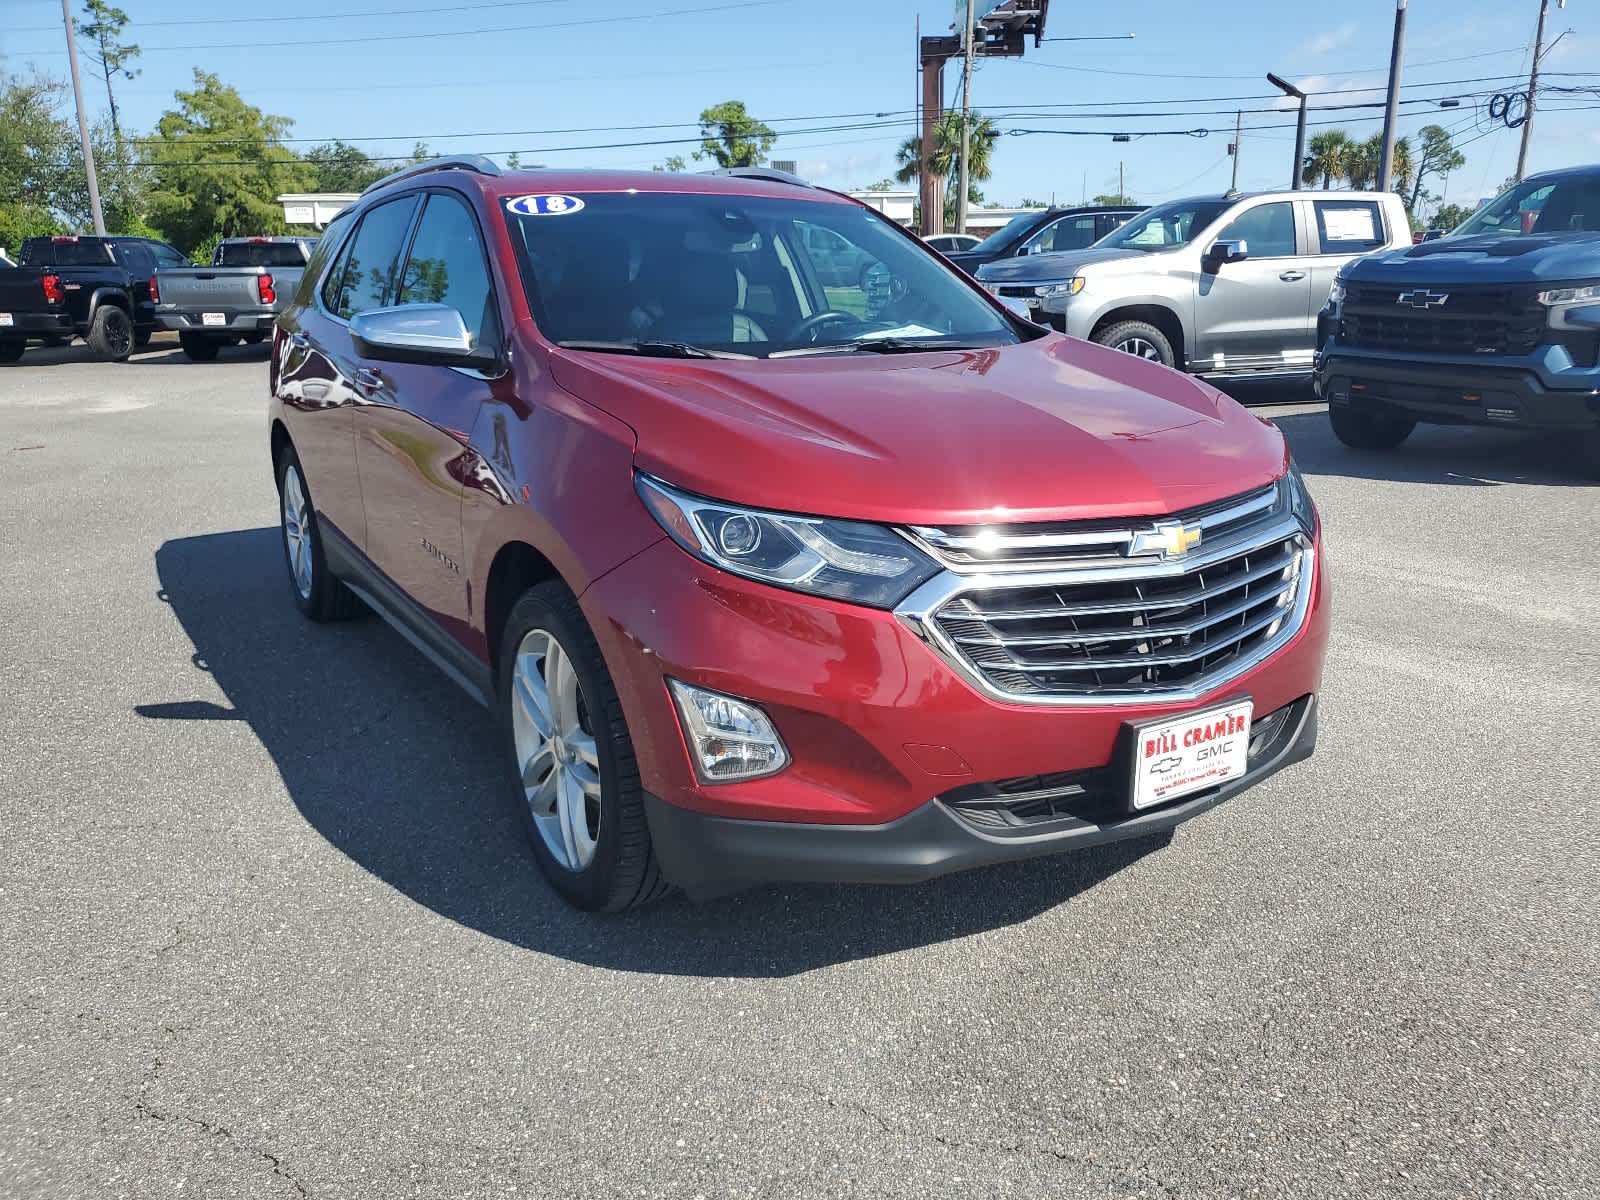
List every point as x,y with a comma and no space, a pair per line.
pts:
1336,292
1570,295
1069,287
845,560
1299,498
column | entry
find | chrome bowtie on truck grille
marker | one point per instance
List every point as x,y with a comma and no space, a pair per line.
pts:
1165,609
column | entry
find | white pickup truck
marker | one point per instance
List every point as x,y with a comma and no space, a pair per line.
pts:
250,280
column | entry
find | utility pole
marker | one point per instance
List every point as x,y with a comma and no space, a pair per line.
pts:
83,124
1233,149
1533,88
1288,89
1122,188
1391,111
966,122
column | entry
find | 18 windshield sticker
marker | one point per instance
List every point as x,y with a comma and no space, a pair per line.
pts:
544,205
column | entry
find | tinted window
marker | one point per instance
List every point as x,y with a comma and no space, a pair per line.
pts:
1007,233
1069,233
1349,226
1564,205
135,258
1167,226
369,268
1267,229
260,254
447,266
46,252
166,256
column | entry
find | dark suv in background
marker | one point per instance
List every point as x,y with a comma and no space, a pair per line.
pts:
1045,231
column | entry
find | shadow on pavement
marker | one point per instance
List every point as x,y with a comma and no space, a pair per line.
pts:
398,769
162,350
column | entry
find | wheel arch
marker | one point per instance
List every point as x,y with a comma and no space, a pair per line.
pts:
113,296
1162,317
516,567
279,442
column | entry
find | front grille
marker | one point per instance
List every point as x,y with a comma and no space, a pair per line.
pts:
1469,321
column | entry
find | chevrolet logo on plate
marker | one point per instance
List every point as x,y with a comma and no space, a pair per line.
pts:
1169,539
1422,298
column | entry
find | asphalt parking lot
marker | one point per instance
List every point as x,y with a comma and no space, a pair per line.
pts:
267,928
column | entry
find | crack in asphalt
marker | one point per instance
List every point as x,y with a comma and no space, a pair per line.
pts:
894,1130
212,1129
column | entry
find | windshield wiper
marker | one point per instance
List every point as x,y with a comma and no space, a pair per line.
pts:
887,345
652,349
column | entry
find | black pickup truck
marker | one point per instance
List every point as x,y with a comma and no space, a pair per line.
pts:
96,288
1496,324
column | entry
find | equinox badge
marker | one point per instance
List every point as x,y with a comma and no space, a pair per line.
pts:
1422,298
1169,539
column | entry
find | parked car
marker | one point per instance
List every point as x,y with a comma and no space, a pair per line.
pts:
1496,324
950,243
96,288
1044,231
233,300
5,262
1225,286
760,588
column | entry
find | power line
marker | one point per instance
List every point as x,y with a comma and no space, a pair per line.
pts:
302,19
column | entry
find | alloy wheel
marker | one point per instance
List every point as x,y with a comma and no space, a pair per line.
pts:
557,757
297,530
1140,348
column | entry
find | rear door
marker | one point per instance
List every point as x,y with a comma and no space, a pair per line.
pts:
1341,229
1256,314
139,262
415,420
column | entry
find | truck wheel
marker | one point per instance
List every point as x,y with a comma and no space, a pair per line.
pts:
1368,430
317,591
198,347
110,334
1139,338
573,771
11,352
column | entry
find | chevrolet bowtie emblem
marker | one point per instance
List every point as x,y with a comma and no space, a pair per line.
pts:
1169,539
1422,298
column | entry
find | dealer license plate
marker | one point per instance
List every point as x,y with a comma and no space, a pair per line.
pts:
213,319
1182,755
5,319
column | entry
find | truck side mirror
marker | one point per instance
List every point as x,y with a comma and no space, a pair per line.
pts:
1024,249
1223,252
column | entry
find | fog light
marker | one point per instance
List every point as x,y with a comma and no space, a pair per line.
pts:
729,739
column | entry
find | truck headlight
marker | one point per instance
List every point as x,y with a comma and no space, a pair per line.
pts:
1561,297
1336,292
1057,291
843,560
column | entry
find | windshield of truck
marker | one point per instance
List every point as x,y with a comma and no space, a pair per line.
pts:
260,254
65,252
1167,226
1569,204
658,272
1003,237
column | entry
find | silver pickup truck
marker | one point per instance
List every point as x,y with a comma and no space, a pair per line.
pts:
1226,286
250,280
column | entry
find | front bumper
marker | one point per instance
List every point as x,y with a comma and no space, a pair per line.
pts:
1450,393
235,320
706,855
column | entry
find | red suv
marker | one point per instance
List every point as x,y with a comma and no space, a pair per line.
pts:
768,576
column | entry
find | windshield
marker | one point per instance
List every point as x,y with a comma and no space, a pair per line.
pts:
1167,226
1566,205
738,274
261,254
1002,237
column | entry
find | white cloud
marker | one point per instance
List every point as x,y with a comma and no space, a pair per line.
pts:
1329,40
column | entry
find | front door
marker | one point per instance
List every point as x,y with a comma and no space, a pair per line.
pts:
1256,315
415,422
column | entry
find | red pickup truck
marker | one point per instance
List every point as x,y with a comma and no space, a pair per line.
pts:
770,578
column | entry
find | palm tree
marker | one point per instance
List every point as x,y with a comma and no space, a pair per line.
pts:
1364,158
1328,158
944,161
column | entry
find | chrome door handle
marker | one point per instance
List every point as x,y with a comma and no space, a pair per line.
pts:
1292,276
369,380
299,341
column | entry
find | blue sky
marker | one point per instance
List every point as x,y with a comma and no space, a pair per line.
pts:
551,65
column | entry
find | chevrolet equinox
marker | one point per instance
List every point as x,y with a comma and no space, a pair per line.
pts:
772,575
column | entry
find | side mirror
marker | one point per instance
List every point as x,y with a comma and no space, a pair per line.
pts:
1022,250
1224,252
433,334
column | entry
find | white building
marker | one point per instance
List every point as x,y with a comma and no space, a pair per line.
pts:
315,208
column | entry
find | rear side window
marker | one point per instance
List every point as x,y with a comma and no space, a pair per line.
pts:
1069,233
447,266
1349,226
1267,230
260,254
370,266
68,252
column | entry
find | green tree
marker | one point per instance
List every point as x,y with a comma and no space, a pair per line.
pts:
340,167
219,166
102,35
1365,158
673,164
1115,199
732,137
1448,216
1437,156
944,160
37,159
1027,203
1327,157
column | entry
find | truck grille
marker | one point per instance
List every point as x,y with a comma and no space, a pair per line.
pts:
1114,627
1471,321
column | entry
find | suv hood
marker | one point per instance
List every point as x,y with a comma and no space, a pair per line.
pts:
1031,267
1486,258
1053,429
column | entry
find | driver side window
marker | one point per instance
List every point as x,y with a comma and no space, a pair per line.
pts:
1267,228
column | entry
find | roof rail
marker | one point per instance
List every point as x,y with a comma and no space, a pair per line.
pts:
455,162
770,174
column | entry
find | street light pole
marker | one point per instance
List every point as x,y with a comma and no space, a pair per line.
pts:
1288,89
1391,110
966,122
83,125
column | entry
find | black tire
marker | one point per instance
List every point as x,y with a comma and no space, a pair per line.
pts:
253,339
110,334
11,351
1368,430
623,872
325,598
1139,338
199,347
